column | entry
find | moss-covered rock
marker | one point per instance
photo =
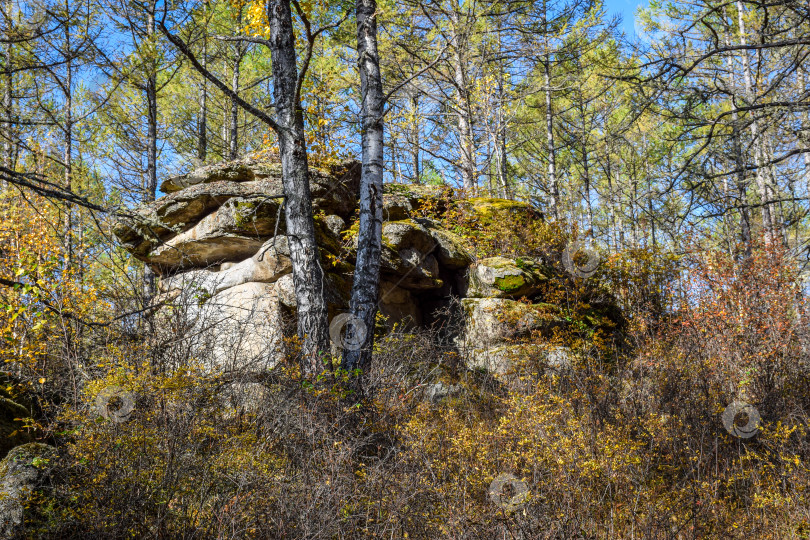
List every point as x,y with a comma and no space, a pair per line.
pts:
21,471
450,248
396,207
492,321
503,359
410,268
499,277
489,209
408,233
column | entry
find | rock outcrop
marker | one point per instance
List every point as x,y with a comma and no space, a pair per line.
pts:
21,471
217,239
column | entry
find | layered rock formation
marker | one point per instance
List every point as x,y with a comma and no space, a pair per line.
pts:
217,241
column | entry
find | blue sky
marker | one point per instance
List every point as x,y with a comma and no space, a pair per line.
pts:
627,9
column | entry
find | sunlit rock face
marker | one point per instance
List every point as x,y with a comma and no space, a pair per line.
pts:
217,239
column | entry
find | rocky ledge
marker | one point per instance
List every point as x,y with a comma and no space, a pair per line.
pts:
217,241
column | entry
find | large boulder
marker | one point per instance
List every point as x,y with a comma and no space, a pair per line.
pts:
499,277
396,207
271,262
152,223
408,233
488,210
234,232
337,291
21,472
502,359
240,328
407,255
193,196
401,201
224,279
493,321
448,248
497,330
240,170
190,250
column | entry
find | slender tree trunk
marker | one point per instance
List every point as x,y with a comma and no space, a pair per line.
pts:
8,89
463,108
68,157
739,164
633,202
415,139
233,139
611,203
307,272
806,130
500,144
202,120
769,223
554,189
365,288
586,171
586,177
150,189
500,133
233,150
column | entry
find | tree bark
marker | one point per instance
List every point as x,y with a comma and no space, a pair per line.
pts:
233,139
307,272
8,93
202,120
68,157
150,189
554,189
415,139
739,164
500,132
365,289
769,223
463,109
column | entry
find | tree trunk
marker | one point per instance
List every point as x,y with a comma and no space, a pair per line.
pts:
554,190
806,131
365,288
8,88
463,109
500,132
233,150
769,222
68,157
202,120
415,163
307,272
739,164
150,190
